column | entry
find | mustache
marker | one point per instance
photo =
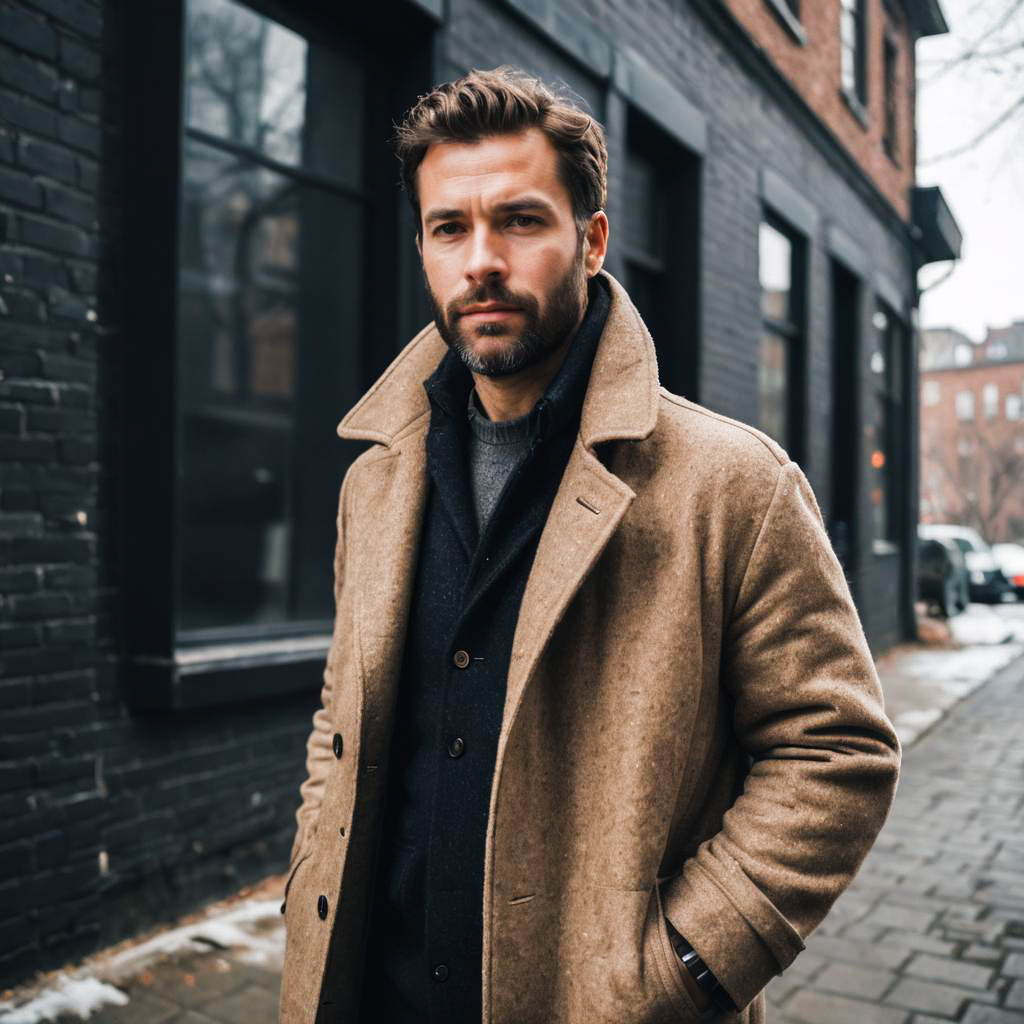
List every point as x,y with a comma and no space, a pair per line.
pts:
490,293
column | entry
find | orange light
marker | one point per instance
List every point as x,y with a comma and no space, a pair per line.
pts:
878,459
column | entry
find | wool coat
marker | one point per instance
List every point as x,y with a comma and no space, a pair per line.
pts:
693,726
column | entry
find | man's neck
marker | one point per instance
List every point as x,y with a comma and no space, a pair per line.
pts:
508,398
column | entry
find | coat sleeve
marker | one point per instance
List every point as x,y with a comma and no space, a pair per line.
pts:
807,709
319,754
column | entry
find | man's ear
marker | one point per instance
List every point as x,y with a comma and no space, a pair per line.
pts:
596,243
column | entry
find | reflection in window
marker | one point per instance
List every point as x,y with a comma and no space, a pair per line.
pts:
779,256
884,433
269,257
852,48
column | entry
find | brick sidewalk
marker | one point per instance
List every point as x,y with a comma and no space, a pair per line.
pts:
933,927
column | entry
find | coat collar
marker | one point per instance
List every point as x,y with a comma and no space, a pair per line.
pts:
621,401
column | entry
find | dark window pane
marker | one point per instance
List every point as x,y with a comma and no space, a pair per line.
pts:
269,280
643,228
258,85
772,373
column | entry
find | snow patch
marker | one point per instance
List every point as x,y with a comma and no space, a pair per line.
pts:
80,996
93,984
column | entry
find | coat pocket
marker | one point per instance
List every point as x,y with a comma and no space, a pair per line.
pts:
658,948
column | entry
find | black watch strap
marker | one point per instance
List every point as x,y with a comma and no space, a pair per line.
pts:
699,971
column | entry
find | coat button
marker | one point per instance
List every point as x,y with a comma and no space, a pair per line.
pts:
461,659
321,907
457,747
440,972
337,744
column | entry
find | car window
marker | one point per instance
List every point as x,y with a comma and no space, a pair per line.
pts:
964,544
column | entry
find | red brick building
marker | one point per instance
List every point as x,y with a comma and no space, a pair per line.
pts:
972,431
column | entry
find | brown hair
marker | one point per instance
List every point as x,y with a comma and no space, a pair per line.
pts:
507,101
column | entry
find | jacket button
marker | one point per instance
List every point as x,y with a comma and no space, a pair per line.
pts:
440,972
337,744
321,907
457,747
461,659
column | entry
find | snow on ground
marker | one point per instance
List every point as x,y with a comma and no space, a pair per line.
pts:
253,931
930,682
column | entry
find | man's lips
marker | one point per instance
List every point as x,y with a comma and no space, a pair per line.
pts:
489,312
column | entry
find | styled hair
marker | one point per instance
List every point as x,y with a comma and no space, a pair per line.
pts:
506,101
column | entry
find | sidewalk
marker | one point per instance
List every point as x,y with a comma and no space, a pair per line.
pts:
932,930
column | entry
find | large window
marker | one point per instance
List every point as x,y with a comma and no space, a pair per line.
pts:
258,307
963,404
273,217
888,429
781,260
853,50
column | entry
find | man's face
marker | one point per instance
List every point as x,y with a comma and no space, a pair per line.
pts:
506,269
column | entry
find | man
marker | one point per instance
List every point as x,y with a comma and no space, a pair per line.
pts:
601,739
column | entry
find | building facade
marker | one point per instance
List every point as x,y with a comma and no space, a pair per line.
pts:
972,431
205,262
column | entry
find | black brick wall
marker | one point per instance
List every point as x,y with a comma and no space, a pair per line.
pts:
113,819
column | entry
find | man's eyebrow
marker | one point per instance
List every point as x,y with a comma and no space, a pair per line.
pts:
526,203
437,215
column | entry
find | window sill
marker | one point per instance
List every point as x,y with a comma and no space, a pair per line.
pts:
884,548
788,20
854,105
227,674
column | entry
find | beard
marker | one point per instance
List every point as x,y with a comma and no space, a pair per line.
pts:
541,333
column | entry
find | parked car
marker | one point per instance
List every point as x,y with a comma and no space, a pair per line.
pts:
942,576
987,582
1011,560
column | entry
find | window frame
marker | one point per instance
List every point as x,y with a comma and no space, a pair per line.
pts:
157,668
792,331
856,95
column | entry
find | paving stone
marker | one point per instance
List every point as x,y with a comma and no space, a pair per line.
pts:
816,1008
944,969
928,996
1014,965
864,982
891,915
991,1015
251,1004
1015,996
141,1006
980,951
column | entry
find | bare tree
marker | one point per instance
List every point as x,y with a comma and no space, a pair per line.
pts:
993,46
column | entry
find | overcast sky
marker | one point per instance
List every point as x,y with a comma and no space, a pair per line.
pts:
984,187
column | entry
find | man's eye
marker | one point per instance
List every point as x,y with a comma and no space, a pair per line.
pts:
449,228
523,220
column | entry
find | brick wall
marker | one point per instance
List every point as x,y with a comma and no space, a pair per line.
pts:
109,820
813,68
971,470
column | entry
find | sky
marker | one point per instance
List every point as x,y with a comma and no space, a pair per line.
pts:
984,187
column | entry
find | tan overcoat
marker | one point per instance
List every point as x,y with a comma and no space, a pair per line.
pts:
693,723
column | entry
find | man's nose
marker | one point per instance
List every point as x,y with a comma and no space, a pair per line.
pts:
486,258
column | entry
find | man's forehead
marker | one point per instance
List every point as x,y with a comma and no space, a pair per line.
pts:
494,170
